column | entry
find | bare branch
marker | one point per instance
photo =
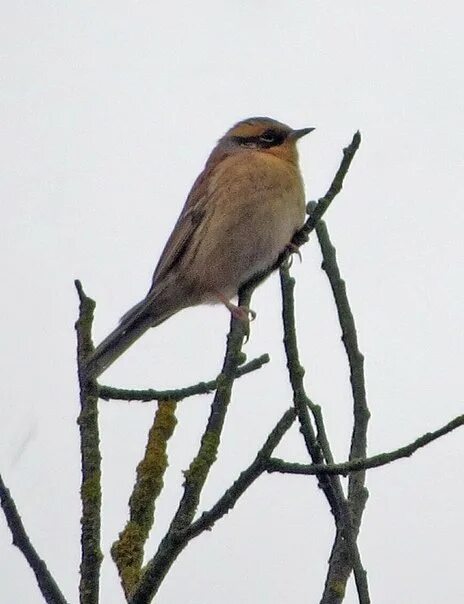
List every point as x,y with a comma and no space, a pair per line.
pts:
90,458
337,184
355,359
359,465
246,478
296,373
47,585
108,392
331,486
340,564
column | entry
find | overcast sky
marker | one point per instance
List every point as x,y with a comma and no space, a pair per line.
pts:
108,112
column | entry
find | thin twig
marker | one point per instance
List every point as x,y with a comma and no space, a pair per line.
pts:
356,363
90,459
127,551
227,501
331,486
110,393
359,465
173,543
337,184
341,562
296,373
47,585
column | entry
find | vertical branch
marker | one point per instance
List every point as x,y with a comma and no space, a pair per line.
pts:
198,471
296,374
331,485
319,208
127,551
357,493
341,562
177,538
90,459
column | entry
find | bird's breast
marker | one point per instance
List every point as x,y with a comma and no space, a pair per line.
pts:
255,204
265,193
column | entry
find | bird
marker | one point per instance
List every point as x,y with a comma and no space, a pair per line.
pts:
240,215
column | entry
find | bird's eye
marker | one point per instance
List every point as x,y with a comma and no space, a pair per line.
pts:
269,136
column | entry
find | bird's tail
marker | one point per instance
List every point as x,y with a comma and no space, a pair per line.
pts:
133,325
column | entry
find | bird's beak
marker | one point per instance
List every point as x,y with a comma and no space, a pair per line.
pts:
296,134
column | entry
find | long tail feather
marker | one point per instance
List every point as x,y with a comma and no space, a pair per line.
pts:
133,325
118,341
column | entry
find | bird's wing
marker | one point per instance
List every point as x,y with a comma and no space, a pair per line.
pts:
190,219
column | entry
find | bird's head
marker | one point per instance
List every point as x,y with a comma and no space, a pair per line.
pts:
265,135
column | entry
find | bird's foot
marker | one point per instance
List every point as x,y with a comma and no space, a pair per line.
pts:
241,313
292,249
245,315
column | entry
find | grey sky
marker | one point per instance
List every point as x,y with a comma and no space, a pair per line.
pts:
108,112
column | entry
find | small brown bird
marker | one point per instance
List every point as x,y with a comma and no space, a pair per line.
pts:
240,215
